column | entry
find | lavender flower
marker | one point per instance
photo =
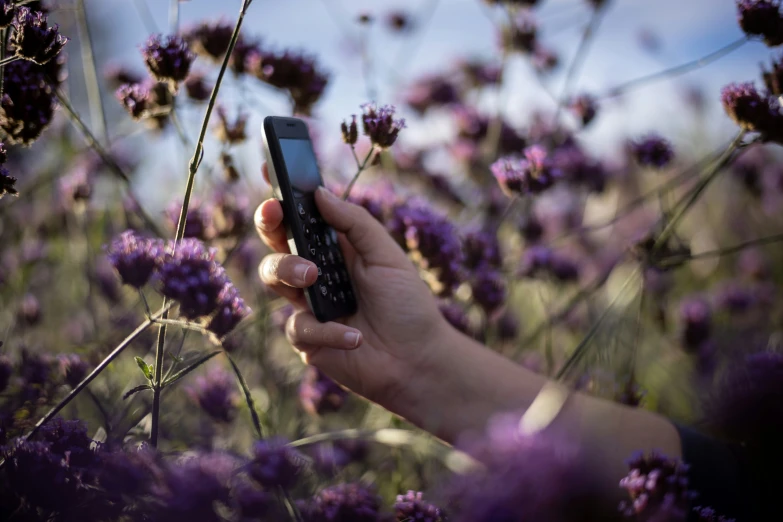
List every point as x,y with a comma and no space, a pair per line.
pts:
658,487
33,39
481,248
541,260
216,394
652,151
198,222
192,485
431,91
750,110
761,18
252,502
319,394
29,311
28,102
231,309
191,276
351,502
73,368
275,464
578,168
136,98
585,108
349,131
129,473
168,59
489,289
697,322
413,507
507,326
294,72
380,126
210,39
134,257
149,101
529,175
196,87
69,438
456,317
6,13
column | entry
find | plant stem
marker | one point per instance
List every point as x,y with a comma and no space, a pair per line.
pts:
676,260
676,71
174,16
359,170
97,114
193,166
3,45
251,405
146,17
6,61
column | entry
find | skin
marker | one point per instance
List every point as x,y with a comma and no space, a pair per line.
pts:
399,352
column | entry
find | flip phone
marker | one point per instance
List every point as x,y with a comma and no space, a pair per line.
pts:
294,174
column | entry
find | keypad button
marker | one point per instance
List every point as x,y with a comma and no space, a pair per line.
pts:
313,220
322,258
334,235
334,298
331,257
341,295
337,278
318,241
328,239
329,280
300,208
306,231
323,290
320,273
311,249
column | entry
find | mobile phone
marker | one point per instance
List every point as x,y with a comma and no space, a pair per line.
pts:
295,176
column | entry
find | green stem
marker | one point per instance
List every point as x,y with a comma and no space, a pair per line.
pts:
251,405
6,61
676,260
359,170
193,166
91,74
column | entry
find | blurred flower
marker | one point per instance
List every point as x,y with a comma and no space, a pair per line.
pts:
230,133
488,289
275,464
351,502
696,318
456,317
431,91
76,186
412,507
135,98
380,126
191,487
541,260
134,257
575,166
475,127
349,131
252,502
584,107
6,13
231,309
520,35
544,60
364,18
29,311
168,59
319,394
239,57
479,73
35,368
507,326
210,39
190,275
738,298
73,368
129,473
280,316
482,249
749,169
531,174
28,102
196,87
292,71
215,392
7,183
753,264
33,39
531,229
399,21
117,75
658,487
706,514
69,439
106,281
150,101
229,214
198,222
761,18
746,406
752,111
652,151
773,78
230,172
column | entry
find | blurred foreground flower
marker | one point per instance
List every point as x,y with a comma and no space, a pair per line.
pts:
319,394
216,394
412,507
652,151
351,502
761,18
658,488
531,174
168,59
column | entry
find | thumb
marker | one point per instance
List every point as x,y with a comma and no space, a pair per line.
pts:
367,236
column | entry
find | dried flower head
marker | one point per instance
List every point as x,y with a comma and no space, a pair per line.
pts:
134,257
652,151
412,506
773,79
761,18
196,87
33,39
6,13
29,101
168,59
227,132
380,125
749,109
521,34
135,98
696,319
319,394
531,174
7,183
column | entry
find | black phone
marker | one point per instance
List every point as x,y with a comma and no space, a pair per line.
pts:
295,176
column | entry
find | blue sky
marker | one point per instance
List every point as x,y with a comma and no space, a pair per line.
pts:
461,28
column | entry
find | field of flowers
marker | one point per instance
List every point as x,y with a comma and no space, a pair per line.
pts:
145,372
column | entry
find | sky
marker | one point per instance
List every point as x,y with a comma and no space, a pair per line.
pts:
447,30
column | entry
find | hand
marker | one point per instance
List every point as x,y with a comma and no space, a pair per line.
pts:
394,335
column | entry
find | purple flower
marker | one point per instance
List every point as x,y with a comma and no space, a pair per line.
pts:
747,405
585,108
531,174
7,184
128,473
117,75
216,394
28,102
578,168
69,438
6,13
228,132
252,502
191,276
412,507
149,101
507,326
73,368
134,257
482,249
456,317
291,71
479,73
29,311
275,464
196,87
696,322
489,289
319,394
168,59
750,110
198,222
350,131
658,487
136,98
761,18
706,514
652,151
231,309
380,125
544,60
540,260
192,485
351,502
229,214
33,39
210,39
431,91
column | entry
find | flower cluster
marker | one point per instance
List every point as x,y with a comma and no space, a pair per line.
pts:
319,394
652,151
658,487
380,125
540,261
752,111
344,502
761,18
531,174
275,464
33,38
215,393
412,506
168,59
294,72
7,181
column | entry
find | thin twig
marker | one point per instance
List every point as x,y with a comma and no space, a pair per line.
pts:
97,113
6,61
678,259
359,170
3,45
251,405
146,16
676,71
174,16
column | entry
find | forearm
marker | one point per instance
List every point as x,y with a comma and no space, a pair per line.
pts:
468,384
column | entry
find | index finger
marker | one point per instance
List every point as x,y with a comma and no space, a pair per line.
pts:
269,224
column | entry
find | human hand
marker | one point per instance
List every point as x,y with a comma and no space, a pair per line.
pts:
392,339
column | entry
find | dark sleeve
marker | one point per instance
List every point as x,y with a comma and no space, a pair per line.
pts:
719,474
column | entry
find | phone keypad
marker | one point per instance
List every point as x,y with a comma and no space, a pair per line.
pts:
333,286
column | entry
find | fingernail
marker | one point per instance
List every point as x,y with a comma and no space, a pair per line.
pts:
301,272
258,217
352,339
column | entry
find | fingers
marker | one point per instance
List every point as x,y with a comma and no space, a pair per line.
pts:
269,224
305,332
286,274
367,236
265,172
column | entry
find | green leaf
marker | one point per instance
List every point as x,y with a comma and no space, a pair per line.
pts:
184,371
146,369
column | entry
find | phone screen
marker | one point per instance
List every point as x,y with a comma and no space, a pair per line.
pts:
301,165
